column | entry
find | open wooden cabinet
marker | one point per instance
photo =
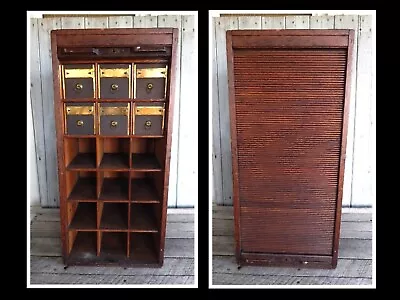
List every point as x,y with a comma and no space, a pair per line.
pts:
113,100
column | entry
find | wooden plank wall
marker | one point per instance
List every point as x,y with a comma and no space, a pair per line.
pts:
182,193
358,182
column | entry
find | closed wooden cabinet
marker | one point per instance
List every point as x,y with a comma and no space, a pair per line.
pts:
289,98
113,105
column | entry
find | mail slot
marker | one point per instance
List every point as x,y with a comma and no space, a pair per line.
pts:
79,119
114,118
115,81
78,81
151,81
149,119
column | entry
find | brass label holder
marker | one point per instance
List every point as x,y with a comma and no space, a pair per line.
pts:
151,73
114,111
79,73
149,111
119,73
71,110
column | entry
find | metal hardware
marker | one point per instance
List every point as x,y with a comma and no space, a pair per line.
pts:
149,86
115,72
114,87
79,87
147,124
79,73
80,110
114,111
114,123
79,123
151,73
149,111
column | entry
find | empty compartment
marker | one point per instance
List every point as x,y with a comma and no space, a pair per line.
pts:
80,153
143,247
82,215
114,186
80,185
114,153
145,187
143,155
113,215
143,218
82,245
113,246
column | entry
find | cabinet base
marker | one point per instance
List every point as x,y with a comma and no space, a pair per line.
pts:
286,260
98,261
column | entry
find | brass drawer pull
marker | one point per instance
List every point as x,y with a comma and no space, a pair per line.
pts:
114,87
147,124
149,86
79,123
114,123
79,87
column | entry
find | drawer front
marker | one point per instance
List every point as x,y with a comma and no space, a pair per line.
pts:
78,81
149,119
79,119
114,119
115,81
151,81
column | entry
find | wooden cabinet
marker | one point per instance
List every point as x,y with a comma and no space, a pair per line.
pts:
113,106
289,99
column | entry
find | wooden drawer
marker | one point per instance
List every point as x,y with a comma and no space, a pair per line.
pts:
79,119
151,81
148,119
114,81
114,118
78,81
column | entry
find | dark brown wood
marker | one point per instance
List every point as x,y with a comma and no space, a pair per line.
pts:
289,94
113,184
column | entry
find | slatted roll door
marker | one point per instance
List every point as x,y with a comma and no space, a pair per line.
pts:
289,112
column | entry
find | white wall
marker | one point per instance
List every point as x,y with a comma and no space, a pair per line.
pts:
32,177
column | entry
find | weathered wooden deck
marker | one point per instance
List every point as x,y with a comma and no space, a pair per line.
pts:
46,266
354,264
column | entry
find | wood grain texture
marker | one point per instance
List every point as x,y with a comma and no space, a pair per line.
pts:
362,167
250,22
96,22
273,22
174,21
222,25
120,22
297,22
298,211
72,22
322,22
188,121
349,22
144,21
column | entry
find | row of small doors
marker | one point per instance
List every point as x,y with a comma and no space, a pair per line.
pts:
114,119
114,81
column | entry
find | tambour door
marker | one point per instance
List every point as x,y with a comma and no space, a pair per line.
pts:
288,124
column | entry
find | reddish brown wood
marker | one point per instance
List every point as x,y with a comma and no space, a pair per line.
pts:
105,193
288,93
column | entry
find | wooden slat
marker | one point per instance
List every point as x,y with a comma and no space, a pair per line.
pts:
359,268
216,130
144,21
188,121
110,279
348,248
72,22
120,22
221,26
349,22
45,26
96,22
37,111
273,22
362,175
322,22
52,247
286,280
55,265
297,22
250,22
166,21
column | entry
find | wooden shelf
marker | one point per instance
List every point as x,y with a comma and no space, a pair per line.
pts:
142,248
143,190
113,246
114,216
114,189
84,189
143,218
119,161
85,217
83,161
85,246
145,162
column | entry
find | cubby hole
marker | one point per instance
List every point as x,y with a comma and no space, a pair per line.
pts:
113,153
82,245
144,157
80,185
144,247
114,186
113,246
143,217
113,215
80,153
82,215
146,187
